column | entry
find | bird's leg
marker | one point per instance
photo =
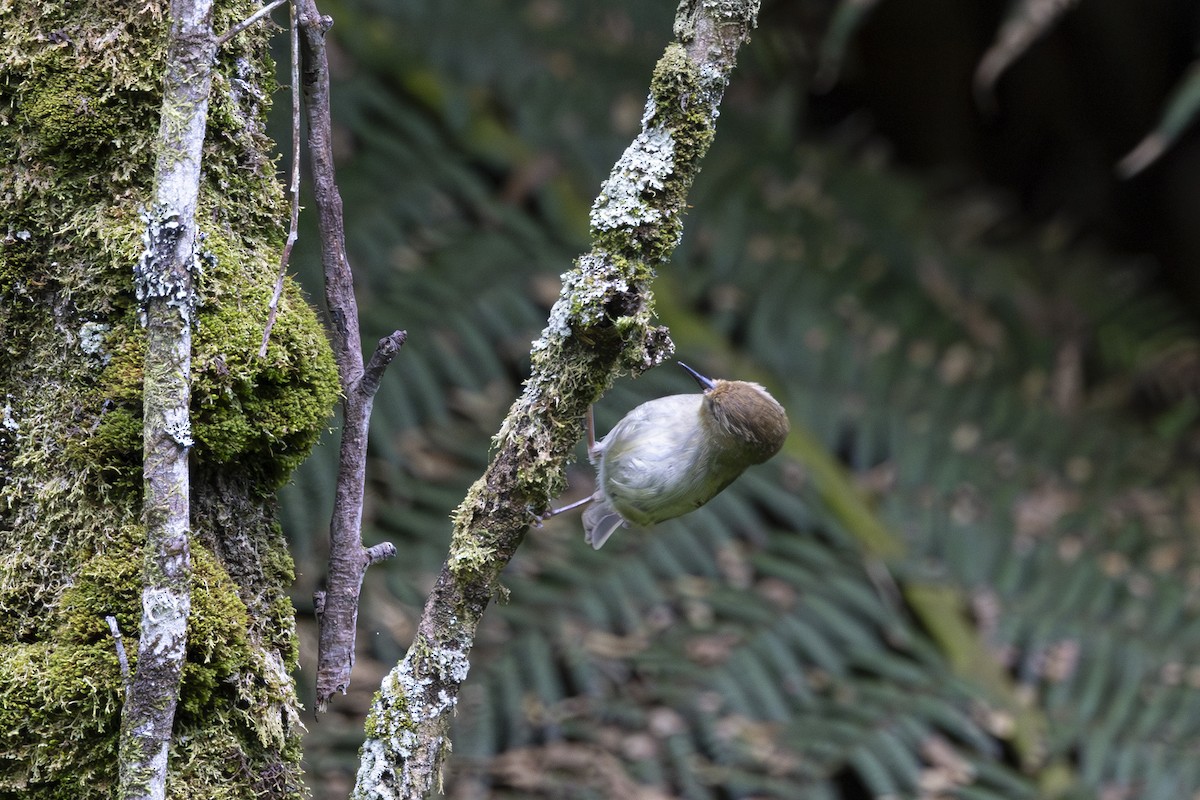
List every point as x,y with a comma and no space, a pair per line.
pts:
554,512
591,437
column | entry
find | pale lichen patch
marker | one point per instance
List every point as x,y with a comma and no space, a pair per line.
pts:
91,340
413,693
8,419
584,298
642,171
150,280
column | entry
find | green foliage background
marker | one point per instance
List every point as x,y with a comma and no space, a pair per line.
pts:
1007,608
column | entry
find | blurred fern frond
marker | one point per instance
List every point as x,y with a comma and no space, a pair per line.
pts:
980,399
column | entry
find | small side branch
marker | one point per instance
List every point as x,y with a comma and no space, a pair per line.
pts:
164,282
386,350
119,645
248,21
348,559
600,326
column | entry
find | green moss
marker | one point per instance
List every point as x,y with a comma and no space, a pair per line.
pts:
74,110
78,676
640,213
62,699
23,268
213,763
217,634
110,583
115,449
42,686
284,640
79,105
370,727
390,709
675,86
469,555
260,416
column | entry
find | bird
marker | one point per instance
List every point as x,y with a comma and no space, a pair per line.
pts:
671,455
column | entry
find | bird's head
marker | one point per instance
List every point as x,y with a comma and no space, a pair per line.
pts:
743,415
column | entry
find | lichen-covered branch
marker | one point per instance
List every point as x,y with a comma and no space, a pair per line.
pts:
600,326
165,287
337,606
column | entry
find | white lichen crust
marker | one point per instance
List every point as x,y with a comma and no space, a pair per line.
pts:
417,692
639,174
585,292
152,278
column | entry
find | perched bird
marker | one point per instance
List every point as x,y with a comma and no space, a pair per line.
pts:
672,455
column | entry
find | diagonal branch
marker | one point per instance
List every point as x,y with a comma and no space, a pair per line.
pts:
165,287
337,606
600,326
248,21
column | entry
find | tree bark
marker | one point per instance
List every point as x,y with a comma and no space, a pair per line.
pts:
81,90
165,284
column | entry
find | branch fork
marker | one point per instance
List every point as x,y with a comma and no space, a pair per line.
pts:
337,604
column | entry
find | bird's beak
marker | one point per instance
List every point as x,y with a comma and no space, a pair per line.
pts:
705,383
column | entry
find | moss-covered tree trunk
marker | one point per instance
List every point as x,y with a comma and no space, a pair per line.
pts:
80,93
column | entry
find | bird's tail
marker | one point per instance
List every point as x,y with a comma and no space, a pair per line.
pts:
600,519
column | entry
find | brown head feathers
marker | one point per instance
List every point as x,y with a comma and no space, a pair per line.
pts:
747,412
743,414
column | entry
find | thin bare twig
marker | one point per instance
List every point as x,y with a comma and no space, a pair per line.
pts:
294,222
165,287
248,21
600,326
337,614
119,644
